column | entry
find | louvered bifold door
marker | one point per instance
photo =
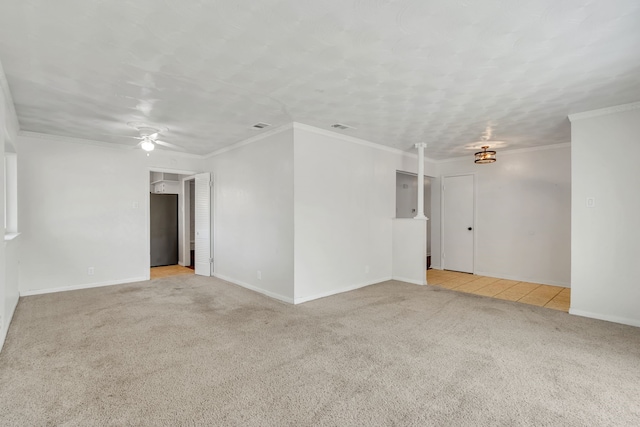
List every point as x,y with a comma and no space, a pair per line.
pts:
203,256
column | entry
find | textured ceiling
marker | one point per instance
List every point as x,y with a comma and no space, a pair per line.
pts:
400,71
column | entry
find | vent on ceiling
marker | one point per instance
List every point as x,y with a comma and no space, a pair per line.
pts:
341,126
260,125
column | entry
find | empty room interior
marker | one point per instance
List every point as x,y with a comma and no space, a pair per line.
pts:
305,213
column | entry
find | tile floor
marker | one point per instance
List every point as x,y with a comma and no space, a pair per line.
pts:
169,270
555,297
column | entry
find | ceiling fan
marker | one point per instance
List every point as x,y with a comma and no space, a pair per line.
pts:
149,137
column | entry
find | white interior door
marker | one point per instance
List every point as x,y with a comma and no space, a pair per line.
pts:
203,257
457,241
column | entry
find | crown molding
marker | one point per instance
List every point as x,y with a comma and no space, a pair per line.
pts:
514,151
95,143
250,140
11,116
604,111
354,140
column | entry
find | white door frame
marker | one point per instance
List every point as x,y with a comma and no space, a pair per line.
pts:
443,262
147,210
185,206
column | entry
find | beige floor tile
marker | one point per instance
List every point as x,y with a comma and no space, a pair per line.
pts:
507,297
558,305
495,288
541,295
458,279
511,282
549,290
451,283
469,287
485,280
517,291
554,297
562,297
168,271
447,285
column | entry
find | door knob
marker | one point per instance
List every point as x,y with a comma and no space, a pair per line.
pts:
469,228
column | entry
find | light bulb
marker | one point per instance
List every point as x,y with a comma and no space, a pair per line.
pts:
147,145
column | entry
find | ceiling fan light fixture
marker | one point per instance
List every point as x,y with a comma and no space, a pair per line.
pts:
147,145
484,156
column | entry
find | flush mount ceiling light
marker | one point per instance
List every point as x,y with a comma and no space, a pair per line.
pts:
147,145
485,156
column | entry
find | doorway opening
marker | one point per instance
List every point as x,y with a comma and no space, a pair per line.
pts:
170,181
170,223
167,254
407,202
163,221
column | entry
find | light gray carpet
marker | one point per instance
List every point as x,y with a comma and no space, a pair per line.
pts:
199,351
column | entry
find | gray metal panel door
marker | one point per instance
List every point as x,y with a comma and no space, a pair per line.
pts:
164,229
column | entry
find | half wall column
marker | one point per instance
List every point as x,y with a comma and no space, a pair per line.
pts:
420,211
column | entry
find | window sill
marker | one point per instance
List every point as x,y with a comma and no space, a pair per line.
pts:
10,236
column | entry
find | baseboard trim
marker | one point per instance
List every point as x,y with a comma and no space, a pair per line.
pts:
522,279
412,281
436,267
607,317
78,287
301,300
254,288
7,324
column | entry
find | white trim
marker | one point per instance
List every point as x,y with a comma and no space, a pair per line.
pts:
508,152
607,317
85,286
253,288
10,236
312,129
168,170
435,267
525,279
301,300
250,140
353,139
415,174
404,279
7,323
11,116
301,126
604,111
95,143
185,208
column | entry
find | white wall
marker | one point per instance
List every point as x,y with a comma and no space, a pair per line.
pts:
344,205
523,214
9,250
409,250
85,206
253,214
605,268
